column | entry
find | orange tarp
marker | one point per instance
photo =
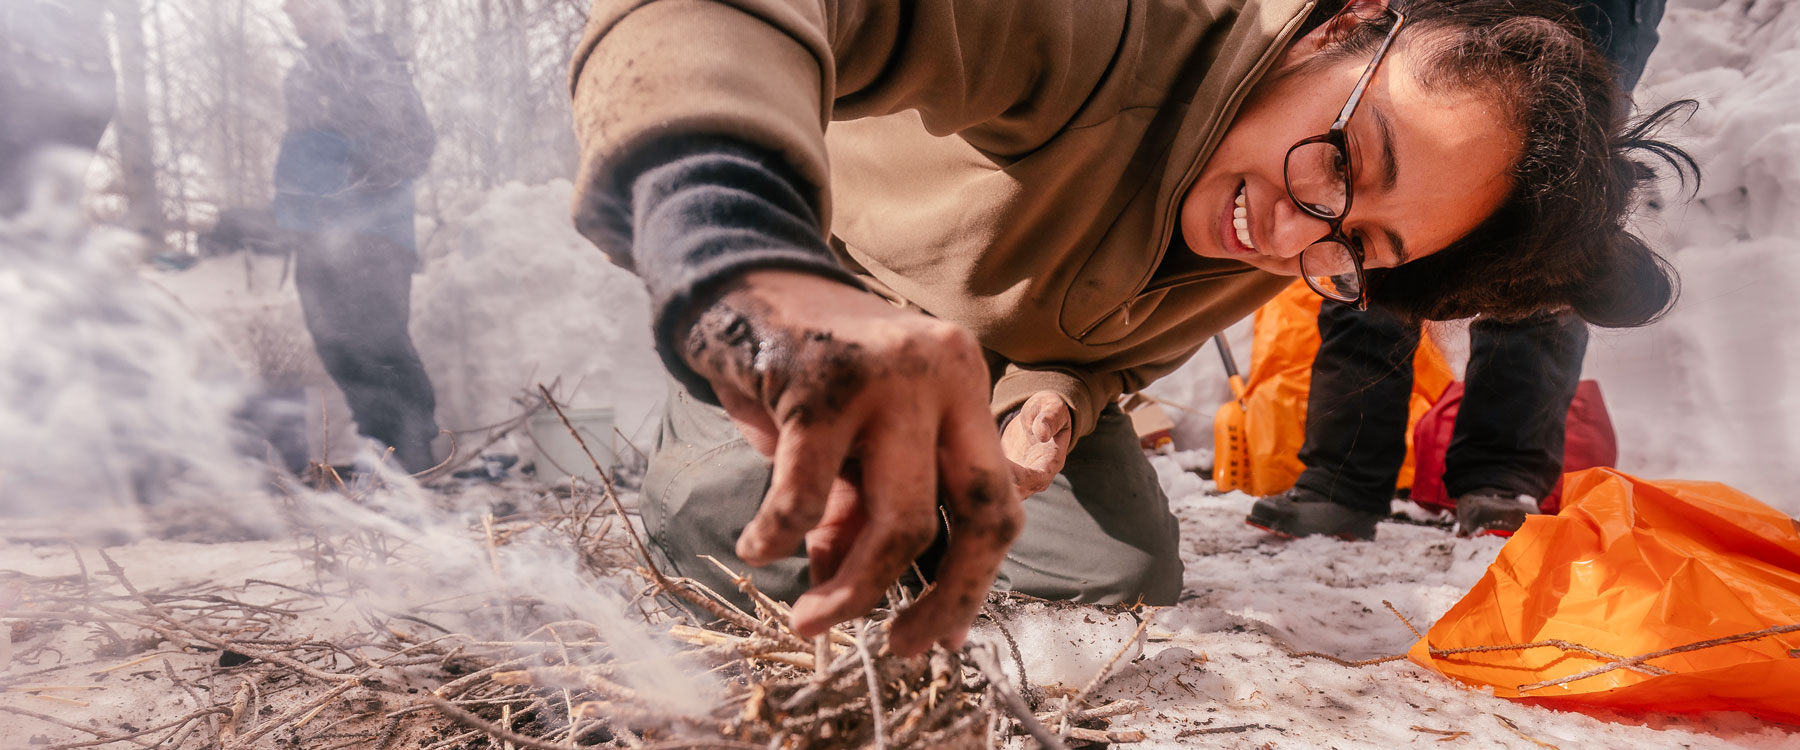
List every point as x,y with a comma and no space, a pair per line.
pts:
1632,567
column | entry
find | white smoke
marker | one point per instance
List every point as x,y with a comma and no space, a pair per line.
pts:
113,399
121,415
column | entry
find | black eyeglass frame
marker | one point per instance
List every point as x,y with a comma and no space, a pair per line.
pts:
1335,138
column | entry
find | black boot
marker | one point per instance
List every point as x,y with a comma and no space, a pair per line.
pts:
1299,512
1492,512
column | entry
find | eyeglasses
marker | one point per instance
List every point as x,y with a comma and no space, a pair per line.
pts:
1318,171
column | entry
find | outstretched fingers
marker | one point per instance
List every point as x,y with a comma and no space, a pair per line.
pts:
807,460
899,493
985,517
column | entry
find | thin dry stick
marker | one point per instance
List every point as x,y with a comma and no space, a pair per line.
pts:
876,712
1345,662
748,587
1510,724
240,704
1403,620
290,714
1116,708
219,643
87,595
455,687
1362,662
503,734
781,613
821,656
656,576
456,740
567,697
1441,652
634,448
1074,702
983,657
454,461
1648,669
699,595
1445,733
1636,661
141,732
1107,736
487,523
605,478
931,718
318,707
212,720
104,737
174,679
430,472
808,694
1234,729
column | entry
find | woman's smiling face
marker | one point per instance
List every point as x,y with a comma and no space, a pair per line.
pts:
1428,166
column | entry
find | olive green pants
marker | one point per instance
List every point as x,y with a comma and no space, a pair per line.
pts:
1101,533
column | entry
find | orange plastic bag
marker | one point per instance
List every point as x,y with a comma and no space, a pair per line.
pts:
1632,567
1257,444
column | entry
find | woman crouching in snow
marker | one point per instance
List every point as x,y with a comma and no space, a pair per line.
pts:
1030,208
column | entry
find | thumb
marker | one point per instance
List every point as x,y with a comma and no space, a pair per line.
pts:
1049,421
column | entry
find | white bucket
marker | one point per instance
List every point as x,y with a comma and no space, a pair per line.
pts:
559,456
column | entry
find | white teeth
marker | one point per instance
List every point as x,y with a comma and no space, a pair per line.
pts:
1240,220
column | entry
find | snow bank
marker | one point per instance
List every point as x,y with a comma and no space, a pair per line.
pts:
1713,391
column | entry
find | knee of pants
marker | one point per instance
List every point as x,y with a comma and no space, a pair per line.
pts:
696,502
1124,576
1097,547
1150,575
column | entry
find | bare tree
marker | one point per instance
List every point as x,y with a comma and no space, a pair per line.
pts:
201,113
137,158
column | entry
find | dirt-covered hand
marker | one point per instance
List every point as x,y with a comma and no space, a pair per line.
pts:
1036,441
872,415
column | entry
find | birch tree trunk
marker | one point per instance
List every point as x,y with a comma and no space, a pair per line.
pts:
137,157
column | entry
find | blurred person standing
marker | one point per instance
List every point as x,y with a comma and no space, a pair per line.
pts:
56,84
1506,449
357,137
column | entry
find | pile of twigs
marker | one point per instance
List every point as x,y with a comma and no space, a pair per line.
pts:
276,664
252,681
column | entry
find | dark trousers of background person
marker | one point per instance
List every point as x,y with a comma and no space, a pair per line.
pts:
355,290
1508,433
1625,29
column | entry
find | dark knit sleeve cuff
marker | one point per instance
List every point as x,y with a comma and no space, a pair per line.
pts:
704,213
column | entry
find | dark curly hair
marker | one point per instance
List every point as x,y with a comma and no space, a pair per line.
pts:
1559,240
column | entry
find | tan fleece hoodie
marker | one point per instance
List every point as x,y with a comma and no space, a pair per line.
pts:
1014,166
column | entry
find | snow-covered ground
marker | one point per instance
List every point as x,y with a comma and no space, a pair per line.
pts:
511,297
